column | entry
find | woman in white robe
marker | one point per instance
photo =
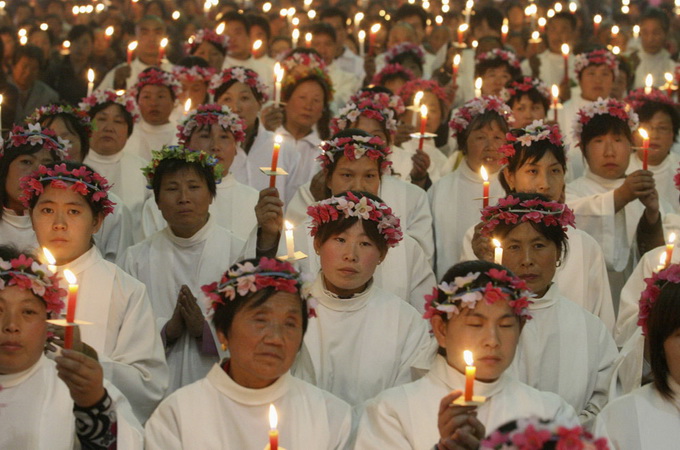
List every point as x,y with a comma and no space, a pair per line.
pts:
261,318
121,328
387,335
407,416
51,404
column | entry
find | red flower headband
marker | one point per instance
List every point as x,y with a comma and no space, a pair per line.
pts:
392,69
194,73
54,109
477,106
511,210
156,77
241,74
375,105
82,180
211,114
650,295
609,106
296,58
503,55
408,90
405,47
102,96
535,132
596,57
35,135
637,98
533,433
353,205
353,148
26,273
208,35
525,85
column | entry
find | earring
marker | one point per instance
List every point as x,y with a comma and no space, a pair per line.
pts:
224,347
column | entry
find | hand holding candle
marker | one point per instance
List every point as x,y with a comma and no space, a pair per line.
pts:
273,432
71,308
645,147
423,125
485,187
470,372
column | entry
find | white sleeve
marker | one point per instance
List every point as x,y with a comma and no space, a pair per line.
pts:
162,429
380,427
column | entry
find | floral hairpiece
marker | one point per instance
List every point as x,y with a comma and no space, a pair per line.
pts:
297,58
241,74
602,106
193,73
465,292
353,148
650,295
525,85
512,210
83,181
408,90
221,41
35,135
26,273
350,205
54,109
390,70
465,114
637,98
375,105
405,47
156,77
101,96
211,114
533,433
596,57
503,55
182,153
301,72
535,132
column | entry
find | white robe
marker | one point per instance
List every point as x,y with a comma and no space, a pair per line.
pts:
641,420
405,417
657,65
233,208
263,66
357,347
576,163
216,412
122,330
307,149
402,163
37,411
663,177
146,138
345,84
456,202
136,67
164,262
17,230
551,70
351,62
566,350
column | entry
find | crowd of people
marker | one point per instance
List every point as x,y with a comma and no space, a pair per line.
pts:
339,224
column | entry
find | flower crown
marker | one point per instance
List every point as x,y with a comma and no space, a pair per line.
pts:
182,153
211,114
465,292
54,109
525,85
35,135
596,57
301,72
101,96
296,58
533,433
637,98
353,148
535,132
246,76
650,295
375,105
193,73
503,55
83,181
602,106
156,77
350,205
465,114
26,273
405,47
409,90
392,69
209,35
512,210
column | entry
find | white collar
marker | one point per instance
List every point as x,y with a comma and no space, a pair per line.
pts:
335,303
17,221
456,380
246,396
105,159
83,262
198,237
14,379
604,182
549,298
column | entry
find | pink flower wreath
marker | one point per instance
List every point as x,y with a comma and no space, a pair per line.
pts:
353,148
511,210
26,273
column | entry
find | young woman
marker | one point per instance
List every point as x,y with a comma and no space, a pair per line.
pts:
261,317
352,235
174,262
194,74
479,127
565,349
496,68
393,77
529,99
408,55
51,404
68,203
210,46
478,307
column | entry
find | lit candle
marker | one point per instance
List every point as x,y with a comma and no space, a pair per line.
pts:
470,371
649,82
416,104
278,74
468,10
220,28
597,20
308,40
565,55
478,87
498,252
556,98
423,125
572,7
669,83
90,81
662,262
51,262
161,50
256,46
71,308
130,49
615,32
362,42
1,99
290,243
108,33
296,37
669,248
645,147
461,33
273,432
358,17
371,38
504,31
187,106
456,64
275,159
542,21
485,187
636,31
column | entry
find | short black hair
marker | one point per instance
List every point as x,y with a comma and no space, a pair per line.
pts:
410,10
375,90
160,4
193,61
563,15
78,31
663,320
257,20
533,94
493,63
171,166
234,16
603,124
320,28
658,15
492,16
648,109
478,122
405,56
28,51
332,11
129,120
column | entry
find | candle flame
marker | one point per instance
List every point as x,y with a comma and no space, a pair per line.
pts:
296,34
90,75
555,91
643,133
505,29
109,31
636,30
615,30
485,175
475,43
220,28
66,44
668,76
418,97
456,60
671,238
70,277
288,225
278,139
467,356
496,243
423,111
616,50
535,35
48,256
278,72
175,15
164,42
542,21
187,105
375,28
308,37
120,92
478,83
565,49
463,28
1,98
132,46
572,7
362,35
273,417
597,19
358,17
257,44
649,80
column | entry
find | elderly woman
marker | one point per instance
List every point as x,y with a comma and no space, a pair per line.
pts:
260,316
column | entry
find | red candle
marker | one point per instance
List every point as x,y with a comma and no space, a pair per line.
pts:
273,432
596,23
423,125
130,49
504,30
470,371
71,309
645,147
308,40
371,38
461,33
565,54
275,159
485,187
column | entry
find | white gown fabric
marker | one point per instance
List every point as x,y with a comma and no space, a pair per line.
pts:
657,65
566,350
345,85
307,150
575,160
552,67
456,203
216,412
146,137
17,230
136,68
122,330
165,262
663,177
402,163
37,411
357,347
405,417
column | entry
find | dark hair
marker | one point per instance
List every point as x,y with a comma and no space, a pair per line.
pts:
193,61
171,166
403,57
482,66
563,15
321,28
331,11
478,122
626,68
28,51
603,124
48,32
129,120
648,109
257,20
534,97
490,15
323,124
658,15
233,16
663,320
374,89
73,125
150,18
225,312
224,87
78,31
160,4
410,10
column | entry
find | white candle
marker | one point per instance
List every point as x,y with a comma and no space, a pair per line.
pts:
290,243
416,106
278,73
649,82
296,37
498,252
90,81
478,87
362,41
